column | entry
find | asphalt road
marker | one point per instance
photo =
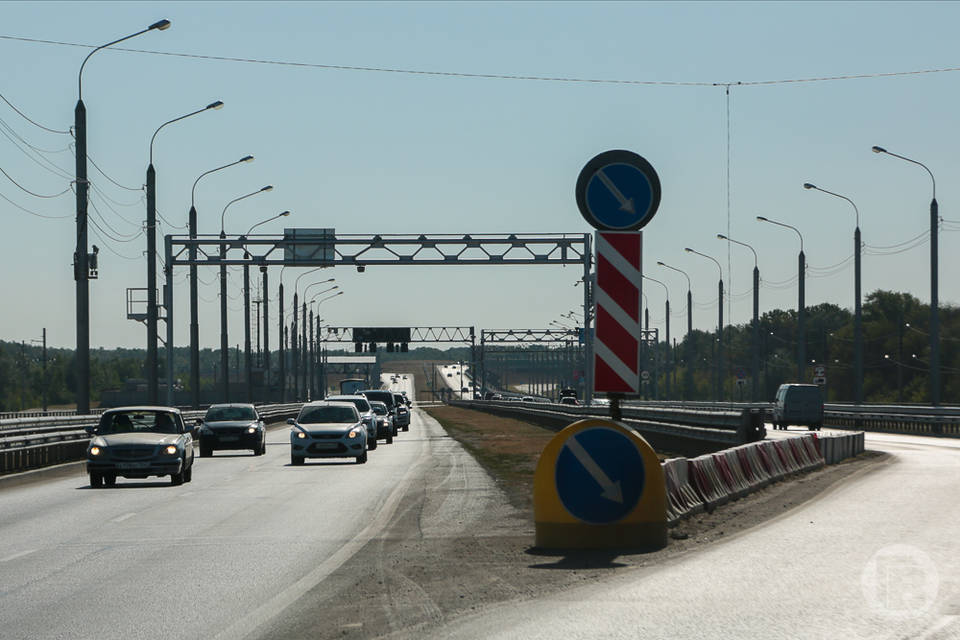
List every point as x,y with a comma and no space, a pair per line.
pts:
215,558
457,377
876,557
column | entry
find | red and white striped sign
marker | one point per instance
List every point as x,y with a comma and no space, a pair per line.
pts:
617,310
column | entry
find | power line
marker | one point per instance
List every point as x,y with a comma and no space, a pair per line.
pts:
490,76
24,116
25,190
34,213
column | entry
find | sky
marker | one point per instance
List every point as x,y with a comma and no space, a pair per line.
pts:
373,152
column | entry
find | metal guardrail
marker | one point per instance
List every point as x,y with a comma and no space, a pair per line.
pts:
909,419
714,426
30,443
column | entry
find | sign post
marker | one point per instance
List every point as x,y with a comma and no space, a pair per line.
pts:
618,192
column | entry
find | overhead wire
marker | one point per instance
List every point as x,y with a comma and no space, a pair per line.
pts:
25,190
494,76
28,119
34,213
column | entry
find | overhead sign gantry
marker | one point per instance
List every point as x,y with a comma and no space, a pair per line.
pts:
323,248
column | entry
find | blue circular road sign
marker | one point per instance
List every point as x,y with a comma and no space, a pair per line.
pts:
618,191
599,475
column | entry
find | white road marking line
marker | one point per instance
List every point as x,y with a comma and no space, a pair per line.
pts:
17,555
125,516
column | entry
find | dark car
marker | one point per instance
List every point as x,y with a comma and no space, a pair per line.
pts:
232,426
139,442
386,427
402,412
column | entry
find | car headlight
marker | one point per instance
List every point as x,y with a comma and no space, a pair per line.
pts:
170,450
251,429
95,451
353,433
300,434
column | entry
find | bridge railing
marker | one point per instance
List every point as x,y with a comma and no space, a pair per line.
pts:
32,442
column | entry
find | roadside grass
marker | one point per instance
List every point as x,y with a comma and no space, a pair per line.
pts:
507,448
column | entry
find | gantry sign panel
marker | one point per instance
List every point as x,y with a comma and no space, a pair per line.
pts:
319,249
529,335
399,334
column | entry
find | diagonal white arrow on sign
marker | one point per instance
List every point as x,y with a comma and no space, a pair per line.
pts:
611,490
626,204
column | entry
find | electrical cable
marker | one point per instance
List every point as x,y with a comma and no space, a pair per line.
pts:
25,117
493,76
34,213
25,190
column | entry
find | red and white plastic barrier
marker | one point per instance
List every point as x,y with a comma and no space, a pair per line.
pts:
713,479
682,499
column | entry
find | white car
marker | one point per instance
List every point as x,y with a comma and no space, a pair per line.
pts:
327,429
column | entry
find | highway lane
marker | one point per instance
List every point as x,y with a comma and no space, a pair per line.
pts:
213,558
876,557
457,377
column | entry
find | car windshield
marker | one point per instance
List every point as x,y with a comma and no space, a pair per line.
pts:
385,397
223,414
327,414
137,422
359,402
379,408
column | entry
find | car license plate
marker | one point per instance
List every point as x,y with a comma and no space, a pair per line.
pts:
133,465
326,445
229,438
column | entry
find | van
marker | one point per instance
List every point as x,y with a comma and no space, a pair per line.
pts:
799,404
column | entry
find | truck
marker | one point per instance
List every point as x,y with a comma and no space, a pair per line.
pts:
352,386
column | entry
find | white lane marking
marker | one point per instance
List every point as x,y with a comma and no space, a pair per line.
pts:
247,626
17,555
611,490
125,516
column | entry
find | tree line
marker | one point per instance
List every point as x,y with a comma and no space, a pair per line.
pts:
896,358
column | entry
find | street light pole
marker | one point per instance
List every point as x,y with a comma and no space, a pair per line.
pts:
669,362
934,281
224,346
857,316
81,259
719,362
755,347
246,306
152,373
194,309
801,303
688,352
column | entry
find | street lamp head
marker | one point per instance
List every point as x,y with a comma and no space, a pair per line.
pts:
269,187
720,236
762,219
215,105
661,263
246,159
284,214
162,25
877,149
807,185
688,249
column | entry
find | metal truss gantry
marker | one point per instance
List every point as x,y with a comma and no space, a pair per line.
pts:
360,251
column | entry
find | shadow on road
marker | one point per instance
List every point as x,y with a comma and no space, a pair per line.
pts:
580,558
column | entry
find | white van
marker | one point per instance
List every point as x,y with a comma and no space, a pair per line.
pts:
799,404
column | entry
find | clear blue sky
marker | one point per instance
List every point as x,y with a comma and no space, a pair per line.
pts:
369,152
